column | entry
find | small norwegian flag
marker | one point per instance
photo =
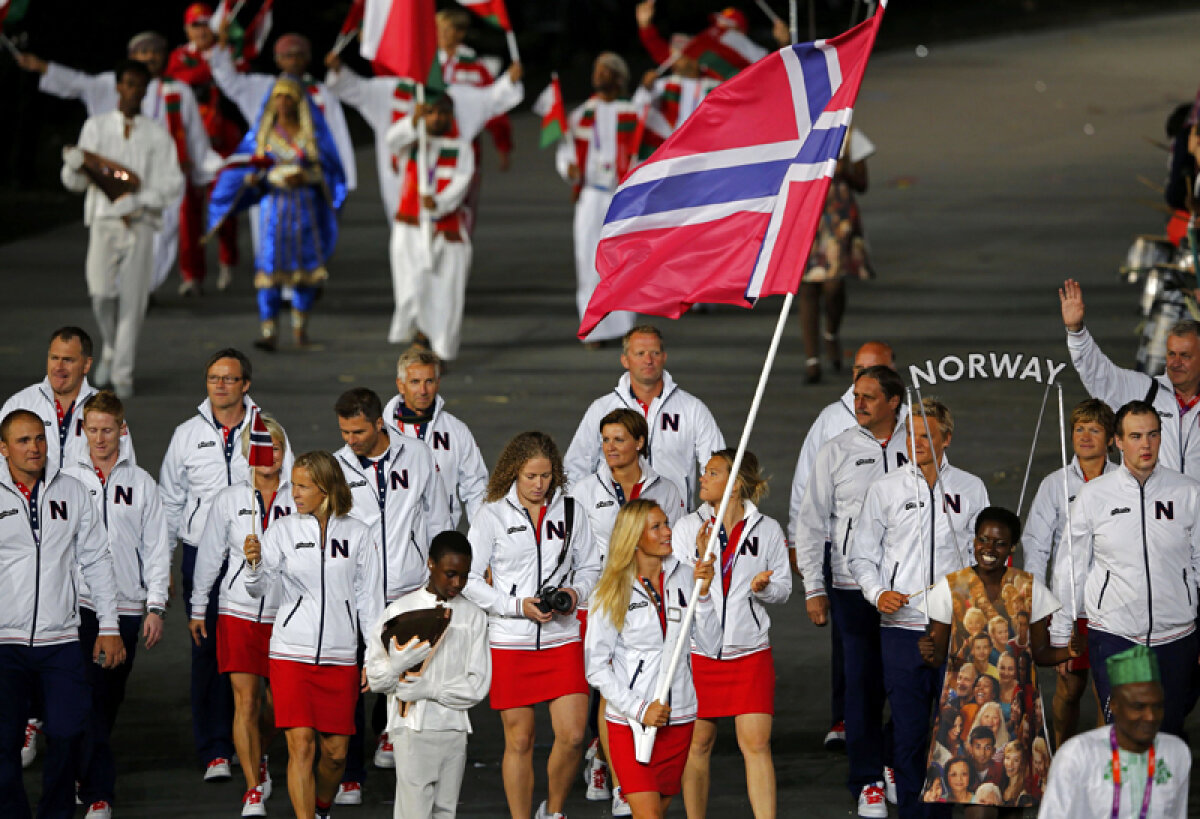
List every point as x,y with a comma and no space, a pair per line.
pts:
262,449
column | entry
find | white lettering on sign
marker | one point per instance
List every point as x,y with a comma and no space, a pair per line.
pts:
982,366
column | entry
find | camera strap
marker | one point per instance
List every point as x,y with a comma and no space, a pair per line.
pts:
569,523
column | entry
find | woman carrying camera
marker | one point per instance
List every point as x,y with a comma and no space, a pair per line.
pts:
543,563
638,607
737,680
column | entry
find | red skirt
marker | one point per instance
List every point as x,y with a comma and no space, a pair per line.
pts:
665,770
315,696
1080,663
526,677
243,646
729,688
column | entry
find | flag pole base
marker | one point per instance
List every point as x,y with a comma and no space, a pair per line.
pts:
643,740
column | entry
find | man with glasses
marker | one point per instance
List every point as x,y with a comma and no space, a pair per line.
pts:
203,458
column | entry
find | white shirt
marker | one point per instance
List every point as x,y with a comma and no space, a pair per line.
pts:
941,602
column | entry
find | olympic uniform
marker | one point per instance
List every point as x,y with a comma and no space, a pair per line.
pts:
683,433
739,677
459,462
328,587
627,666
1041,540
1137,556
531,662
602,498
65,441
127,504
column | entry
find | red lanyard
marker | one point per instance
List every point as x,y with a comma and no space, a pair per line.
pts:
100,475
1116,772
1184,406
729,546
656,596
537,529
634,493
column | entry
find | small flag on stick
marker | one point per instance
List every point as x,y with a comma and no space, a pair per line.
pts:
262,449
493,11
550,106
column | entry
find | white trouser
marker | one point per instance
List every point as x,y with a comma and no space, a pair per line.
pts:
429,772
429,295
119,263
589,219
166,244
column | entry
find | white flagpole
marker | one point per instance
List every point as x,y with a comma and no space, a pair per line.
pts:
512,46
643,736
422,178
253,490
917,478
666,64
1062,436
767,10
794,22
344,40
1032,446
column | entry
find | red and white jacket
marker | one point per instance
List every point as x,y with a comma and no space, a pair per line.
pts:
449,162
602,143
465,67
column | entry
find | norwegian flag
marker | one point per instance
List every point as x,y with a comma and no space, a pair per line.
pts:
262,448
726,210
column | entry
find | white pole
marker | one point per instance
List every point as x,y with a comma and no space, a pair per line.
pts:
512,46
666,64
643,736
767,10
344,40
1062,436
423,178
1032,446
793,21
917,479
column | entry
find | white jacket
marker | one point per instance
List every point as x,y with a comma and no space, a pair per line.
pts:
1116,387
843,470
413,510
200,463
128,507
328,587
900,545
744,621
683,433
1047,517
835,419
456,678
502,539
63,447
459,461
39,599
1137,555
597,497
235,511
626,666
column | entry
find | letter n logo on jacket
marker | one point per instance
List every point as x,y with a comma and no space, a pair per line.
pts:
669,420
1164,510
954,502
441,440
123,494
750,546
400,479
339,548
58,510
557,530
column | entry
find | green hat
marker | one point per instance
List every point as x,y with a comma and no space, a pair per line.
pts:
1134,665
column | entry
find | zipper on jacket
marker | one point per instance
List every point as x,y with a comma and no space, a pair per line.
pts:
350,614
750,600
292,613
537,548
37,576
233,579
1103,588
1146,560
1187,588
932,529
192,516
104,501
846,539
636,672
141,571
892,582
321,624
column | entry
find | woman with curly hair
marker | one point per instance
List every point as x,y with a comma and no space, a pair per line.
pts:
537,548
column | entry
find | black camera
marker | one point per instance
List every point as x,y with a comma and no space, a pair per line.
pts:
554,599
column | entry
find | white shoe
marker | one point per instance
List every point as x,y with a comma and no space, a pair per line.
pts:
593,748
349,793
218,770
835,740
889,784
544,813
99,810
384,757
189,288
872,803
224,277
102,372
252,803
29,749
597,786
619,806
264,778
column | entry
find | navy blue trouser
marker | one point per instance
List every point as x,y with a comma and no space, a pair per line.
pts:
858,622
212,696
1176,666
912,689
97,768
837,674
58,672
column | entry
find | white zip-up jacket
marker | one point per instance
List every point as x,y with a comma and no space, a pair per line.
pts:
835,419
1180,449
683,433
200,463
1137,554
328,587
42,545
130,511
598,498
902,544
843,470
1048,516
743,619
69,445
412,510
627,666
503,539
456,678
459,462
235,511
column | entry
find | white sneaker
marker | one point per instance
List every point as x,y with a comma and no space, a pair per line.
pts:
597,788
593,748
252,803
99,810
29,749
544,813
872,803
619,806
889,784
188,288
835,740
218,770
349,793
384,757
264,778
224,277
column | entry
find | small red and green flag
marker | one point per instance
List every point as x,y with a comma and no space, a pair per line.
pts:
493,11
554,114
